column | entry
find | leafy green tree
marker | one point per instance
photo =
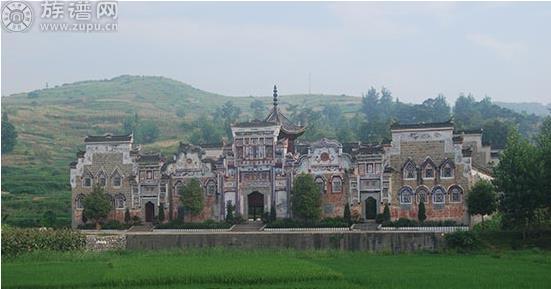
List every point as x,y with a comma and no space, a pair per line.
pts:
482,199
147,132
230,209
517,177
161,215
386,214
49,219
273,213
9,135
192,198
347,214
127,217
421,213
544,146
97,206
205,130
259,109
306,199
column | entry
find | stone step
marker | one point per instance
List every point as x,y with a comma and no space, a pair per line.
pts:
248,227
147,227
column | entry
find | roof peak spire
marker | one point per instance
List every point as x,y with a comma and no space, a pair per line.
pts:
275,95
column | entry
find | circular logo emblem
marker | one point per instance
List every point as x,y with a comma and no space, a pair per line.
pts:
17,16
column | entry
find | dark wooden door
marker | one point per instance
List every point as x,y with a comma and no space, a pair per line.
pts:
149,212
370,208
256,205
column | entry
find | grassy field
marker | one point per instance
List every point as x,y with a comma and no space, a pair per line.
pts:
218,268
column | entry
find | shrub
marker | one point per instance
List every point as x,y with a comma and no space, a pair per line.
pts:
127,217
379,219
273,213
462,241
17,241
161,215
386,214
347,214
421,215
266,217
230,208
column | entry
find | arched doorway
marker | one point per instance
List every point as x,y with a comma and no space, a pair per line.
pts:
149,211
370,208
255,204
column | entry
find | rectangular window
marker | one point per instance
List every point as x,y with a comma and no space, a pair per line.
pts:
149,175
116,181
102,181
87,182
369,168
377,168
361,169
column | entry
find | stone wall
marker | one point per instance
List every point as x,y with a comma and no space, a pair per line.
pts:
105,242
355,241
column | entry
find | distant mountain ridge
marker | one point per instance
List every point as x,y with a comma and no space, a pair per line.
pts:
536,108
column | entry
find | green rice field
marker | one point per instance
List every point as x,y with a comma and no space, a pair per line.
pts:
224,268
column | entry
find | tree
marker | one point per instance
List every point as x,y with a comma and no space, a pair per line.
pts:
421,213
544,147
9,134
161,215
386,214
347,215
96,206
273,213
517,177
482,199
127,217
49,219
306,199
191,196
230,208
259,108
147,132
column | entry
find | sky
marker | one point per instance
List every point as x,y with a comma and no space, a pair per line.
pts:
417,50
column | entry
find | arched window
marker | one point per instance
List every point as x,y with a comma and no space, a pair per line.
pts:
455,193
102,179
410,171
211,188
120,201
438,195
405,194
116,179
79,201
428,168
321,184
422,193
336,185
446,170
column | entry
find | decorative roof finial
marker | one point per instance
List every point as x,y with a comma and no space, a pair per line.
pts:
275,96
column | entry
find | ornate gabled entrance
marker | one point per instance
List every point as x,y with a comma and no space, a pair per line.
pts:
255,205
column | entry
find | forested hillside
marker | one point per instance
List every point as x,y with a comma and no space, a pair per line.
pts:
51,124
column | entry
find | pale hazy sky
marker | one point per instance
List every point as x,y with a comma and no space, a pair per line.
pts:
417,50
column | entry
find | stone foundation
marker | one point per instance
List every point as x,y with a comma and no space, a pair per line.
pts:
354,241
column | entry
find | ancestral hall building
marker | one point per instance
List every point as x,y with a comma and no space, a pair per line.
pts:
429,162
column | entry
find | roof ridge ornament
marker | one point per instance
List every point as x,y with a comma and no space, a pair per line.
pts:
275,95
